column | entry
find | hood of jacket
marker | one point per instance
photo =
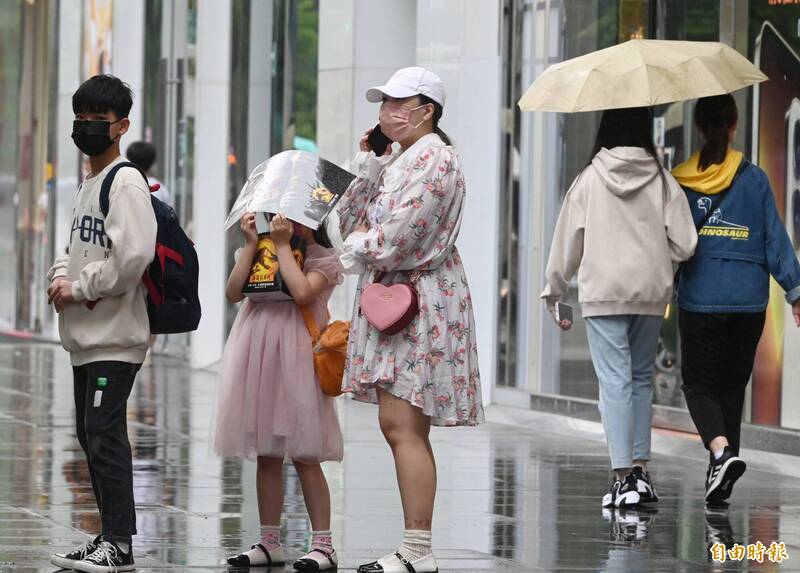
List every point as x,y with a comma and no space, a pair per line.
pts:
625,170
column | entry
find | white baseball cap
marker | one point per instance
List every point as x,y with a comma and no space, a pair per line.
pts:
408,82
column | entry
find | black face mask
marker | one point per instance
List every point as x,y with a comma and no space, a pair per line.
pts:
92,137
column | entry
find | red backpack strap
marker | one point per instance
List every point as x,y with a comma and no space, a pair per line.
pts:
163,253
152,290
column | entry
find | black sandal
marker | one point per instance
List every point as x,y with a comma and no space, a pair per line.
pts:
375,567
243,560
308,564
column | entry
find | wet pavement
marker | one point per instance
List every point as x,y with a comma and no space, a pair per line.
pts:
510,499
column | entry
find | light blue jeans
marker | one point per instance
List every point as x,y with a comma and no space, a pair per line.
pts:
623,351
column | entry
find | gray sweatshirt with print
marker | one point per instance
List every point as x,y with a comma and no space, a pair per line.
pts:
622,228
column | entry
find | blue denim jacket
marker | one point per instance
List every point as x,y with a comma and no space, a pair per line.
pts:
738,248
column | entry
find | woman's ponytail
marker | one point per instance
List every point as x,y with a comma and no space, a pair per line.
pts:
437,115
446,138
715,116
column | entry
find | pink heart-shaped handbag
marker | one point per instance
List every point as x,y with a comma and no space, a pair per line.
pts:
390,308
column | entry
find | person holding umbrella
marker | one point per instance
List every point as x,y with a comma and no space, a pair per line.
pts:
723,289
621,285
623,224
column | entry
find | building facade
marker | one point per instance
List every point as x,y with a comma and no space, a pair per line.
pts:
542,153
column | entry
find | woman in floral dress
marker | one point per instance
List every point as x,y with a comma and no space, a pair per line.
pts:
401,216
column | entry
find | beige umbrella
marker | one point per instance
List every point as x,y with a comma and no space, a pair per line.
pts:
640,73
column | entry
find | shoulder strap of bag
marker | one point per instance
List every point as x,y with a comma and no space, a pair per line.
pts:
108,180
311,324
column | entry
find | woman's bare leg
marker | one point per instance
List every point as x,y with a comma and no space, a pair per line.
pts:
406,430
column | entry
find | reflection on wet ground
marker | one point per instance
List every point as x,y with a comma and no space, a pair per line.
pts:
509,499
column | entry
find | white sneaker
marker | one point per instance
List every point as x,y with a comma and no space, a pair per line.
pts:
396,563
630,525
623,493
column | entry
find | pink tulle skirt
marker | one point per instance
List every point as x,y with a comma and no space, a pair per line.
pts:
269,401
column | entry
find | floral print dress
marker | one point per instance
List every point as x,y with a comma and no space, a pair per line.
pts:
413,204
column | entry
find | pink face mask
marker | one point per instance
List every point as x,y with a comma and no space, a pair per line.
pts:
394,120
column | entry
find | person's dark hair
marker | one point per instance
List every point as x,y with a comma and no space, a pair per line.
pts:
321,236
438,110
143,154
715,116
628,127
103,94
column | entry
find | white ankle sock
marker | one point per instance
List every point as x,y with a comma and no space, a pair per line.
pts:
718,453
322,540
271,536
416,544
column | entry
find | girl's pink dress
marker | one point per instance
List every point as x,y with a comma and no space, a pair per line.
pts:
269,401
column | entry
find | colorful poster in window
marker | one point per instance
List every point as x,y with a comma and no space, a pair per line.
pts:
776,149
98,19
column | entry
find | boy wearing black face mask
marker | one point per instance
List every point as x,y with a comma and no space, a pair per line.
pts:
97,290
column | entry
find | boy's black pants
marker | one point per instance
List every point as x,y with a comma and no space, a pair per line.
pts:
717,355
103,434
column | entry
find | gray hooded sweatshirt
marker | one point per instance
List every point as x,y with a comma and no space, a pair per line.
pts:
621,230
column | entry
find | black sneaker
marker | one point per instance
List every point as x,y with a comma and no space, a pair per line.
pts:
718,528
623,493
644,485
107,558
721,475
67,560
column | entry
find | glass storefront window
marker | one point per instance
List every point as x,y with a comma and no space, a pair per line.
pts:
31,115
239,120
10,72
273,90
170,73
508,308
775,146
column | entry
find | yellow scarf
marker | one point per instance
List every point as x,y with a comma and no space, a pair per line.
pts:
715,178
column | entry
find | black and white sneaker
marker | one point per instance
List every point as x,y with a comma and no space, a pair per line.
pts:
644,485
721,475
623,493
107,558
630,525
718,527
68,560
